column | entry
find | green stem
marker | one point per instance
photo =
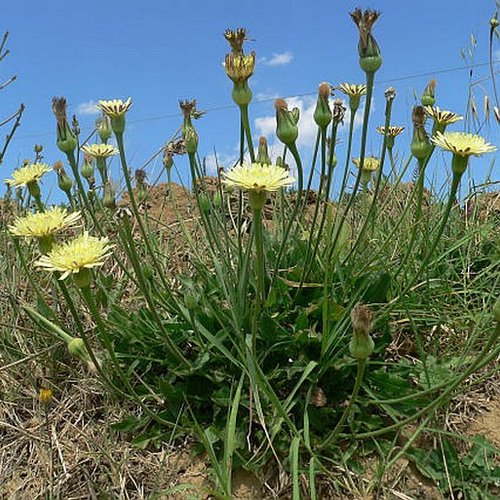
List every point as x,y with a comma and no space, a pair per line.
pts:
259,254
246,125
357,385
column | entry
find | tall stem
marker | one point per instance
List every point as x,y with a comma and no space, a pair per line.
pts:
246,125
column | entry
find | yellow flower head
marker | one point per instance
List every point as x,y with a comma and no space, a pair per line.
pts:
442,117
83,252
30,173
114,107
371,163
100,150
258,177
41,224
352,90
462,144
392,130
239,67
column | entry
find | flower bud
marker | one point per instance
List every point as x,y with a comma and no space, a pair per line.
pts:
191,300
66,140
428,97
77,349
103,126
108,199
87,169
420,144
64,182
204,203
323,113
263,153
286,122
45,396
361,345
217,199
370,58
191,140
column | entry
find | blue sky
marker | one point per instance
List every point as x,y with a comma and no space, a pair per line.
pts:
158,52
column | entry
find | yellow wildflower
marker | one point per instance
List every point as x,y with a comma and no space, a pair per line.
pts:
462,144
352,90
81,253
392,130
28,174
114,107
370,163
100,150
442,117
258,177
41,224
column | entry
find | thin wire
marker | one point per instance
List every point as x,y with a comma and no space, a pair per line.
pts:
304,94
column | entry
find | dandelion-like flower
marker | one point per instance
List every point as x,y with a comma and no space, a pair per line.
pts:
28,174
392,130
239,67
442,117
352,90
100,150
42,224
114,107
370,163
258,177
84,252
463,144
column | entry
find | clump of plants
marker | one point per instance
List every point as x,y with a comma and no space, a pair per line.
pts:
273,348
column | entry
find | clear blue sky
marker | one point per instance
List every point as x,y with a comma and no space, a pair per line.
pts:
158,52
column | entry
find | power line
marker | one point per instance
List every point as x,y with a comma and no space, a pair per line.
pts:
304,94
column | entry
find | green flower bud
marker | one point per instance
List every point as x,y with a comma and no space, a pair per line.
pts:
204,203
428,97
87,169
104,130
361,345
286,122
370,58
323,113
191,299
190,140
108,199
217,199
66,140
262,153
420,144
76,348
33,189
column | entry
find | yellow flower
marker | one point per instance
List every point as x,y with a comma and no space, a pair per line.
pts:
30,173
352,90
41,224
81,253
371,163
392,130
114,107
45,396
462,144
239,67
258,177
442,117
100,150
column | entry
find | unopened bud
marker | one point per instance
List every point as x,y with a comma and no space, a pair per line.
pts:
263,153
323,113
108,199
286,122
104,130
361,345
428,97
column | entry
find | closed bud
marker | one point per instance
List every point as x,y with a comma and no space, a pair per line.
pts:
361,345
191,140
263,153
66,140
103,126
87,169
428,98
108,199
370,58
77,349
286,122
45,396
217,199
204,203
420,144
323,113
64,182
